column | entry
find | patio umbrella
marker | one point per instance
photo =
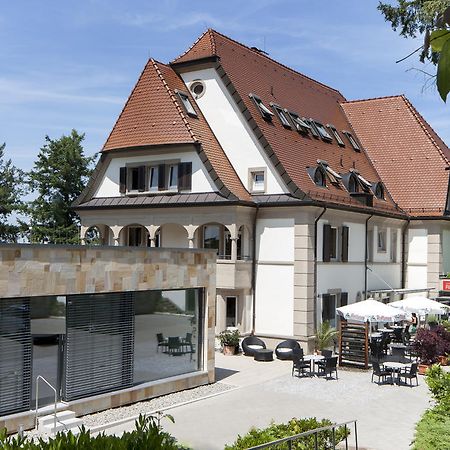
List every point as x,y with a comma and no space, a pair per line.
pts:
371,311
420,305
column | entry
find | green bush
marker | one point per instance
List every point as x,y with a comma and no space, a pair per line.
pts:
295,426
433,429
148,435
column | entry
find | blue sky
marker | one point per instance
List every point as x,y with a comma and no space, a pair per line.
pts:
72,64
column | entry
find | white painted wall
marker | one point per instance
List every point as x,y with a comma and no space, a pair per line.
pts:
275,240
417,258
445,250
174,236
109,185
232,129
275,299
383,275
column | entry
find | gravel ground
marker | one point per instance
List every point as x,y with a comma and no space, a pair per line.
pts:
155,404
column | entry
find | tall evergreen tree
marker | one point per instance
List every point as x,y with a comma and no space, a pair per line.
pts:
11,189
58,177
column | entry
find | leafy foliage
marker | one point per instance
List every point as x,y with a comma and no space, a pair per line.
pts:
295,426
59,175
429,344
433,429
229,337
147,435
431,18
11,190
325,335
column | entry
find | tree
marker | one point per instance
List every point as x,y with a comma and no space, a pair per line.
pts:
432,19
59,175
11,190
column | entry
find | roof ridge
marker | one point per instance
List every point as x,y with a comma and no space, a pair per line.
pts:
274,60
212,41
125,105
173,98
421,121
374,98
195,43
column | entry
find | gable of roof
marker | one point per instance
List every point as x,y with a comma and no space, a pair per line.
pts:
405,150
245,71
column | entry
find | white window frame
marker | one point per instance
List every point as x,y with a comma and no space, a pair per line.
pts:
153,176
394,240
381,240
189,108
172,177
253,186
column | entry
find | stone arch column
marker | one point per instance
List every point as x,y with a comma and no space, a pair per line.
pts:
152,230
116,229
191,229
83,230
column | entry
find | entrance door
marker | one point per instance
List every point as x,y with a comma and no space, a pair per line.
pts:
231,310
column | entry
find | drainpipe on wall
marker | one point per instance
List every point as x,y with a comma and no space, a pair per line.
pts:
366,257
315,266
254,272
404,230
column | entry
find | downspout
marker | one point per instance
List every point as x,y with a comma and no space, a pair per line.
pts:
366,256
254,272
315,266
404,230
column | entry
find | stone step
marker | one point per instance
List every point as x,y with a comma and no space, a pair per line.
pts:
50,418
64,425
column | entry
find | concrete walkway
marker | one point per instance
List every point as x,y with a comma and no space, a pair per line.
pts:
266,391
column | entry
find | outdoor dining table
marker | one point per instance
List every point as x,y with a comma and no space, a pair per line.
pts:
386,330
376,335
313,359
396,367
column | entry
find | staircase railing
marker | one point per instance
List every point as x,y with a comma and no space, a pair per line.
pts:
41,378
289,440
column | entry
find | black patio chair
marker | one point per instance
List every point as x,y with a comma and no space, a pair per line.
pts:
175,346
251,344
326,354
299,365
284,350
379,372
398,335
162,342
329,367
376,350
410,374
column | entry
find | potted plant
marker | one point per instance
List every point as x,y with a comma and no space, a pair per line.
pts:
429,345
432,321
229,340
325,335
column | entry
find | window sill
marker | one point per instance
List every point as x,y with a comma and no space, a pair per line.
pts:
147,193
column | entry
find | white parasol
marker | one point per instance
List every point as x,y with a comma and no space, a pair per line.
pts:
371,311
420,305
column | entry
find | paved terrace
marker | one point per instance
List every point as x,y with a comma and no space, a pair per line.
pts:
266,391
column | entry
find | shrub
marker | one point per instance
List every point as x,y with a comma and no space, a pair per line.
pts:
229,337
148,434
295,426
430,344
325,335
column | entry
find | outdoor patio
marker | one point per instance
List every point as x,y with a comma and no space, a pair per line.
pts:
266,391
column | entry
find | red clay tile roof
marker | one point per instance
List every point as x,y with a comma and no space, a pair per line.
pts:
152,116
253,72
407,153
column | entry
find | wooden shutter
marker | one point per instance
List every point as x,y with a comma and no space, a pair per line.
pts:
185,176
344,244
162,185
141,178
123,180
326,243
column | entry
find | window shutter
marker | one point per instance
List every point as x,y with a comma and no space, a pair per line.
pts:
326,243
185,176
344,298
123,180
344,246
141,178
162,186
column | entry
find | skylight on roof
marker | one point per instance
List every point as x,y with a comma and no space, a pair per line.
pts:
352,141
312,127
333,176
299,124
281,115
186,103
323,131
263,109
336,135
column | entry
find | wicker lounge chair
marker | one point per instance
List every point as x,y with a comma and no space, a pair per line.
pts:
250,344
285,349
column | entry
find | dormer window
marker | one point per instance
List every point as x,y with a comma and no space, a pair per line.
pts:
352,141
257,179
336,135
333,176
378,190
186,103
263,109
323,132
353,184
282,115
300,125
319,177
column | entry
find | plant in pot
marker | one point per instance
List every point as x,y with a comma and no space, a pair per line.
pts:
325,336
432,321
429,345
229,340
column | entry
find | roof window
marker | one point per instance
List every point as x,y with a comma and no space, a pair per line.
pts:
336,135
378,190
312,127
300,125
186,103
323,132
263,109
318,175
197,88
282,115
352,141
333,176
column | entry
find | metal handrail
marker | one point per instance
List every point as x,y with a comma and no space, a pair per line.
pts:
290,439
40,377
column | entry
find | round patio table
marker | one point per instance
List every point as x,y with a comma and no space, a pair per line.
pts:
396,367
313,359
